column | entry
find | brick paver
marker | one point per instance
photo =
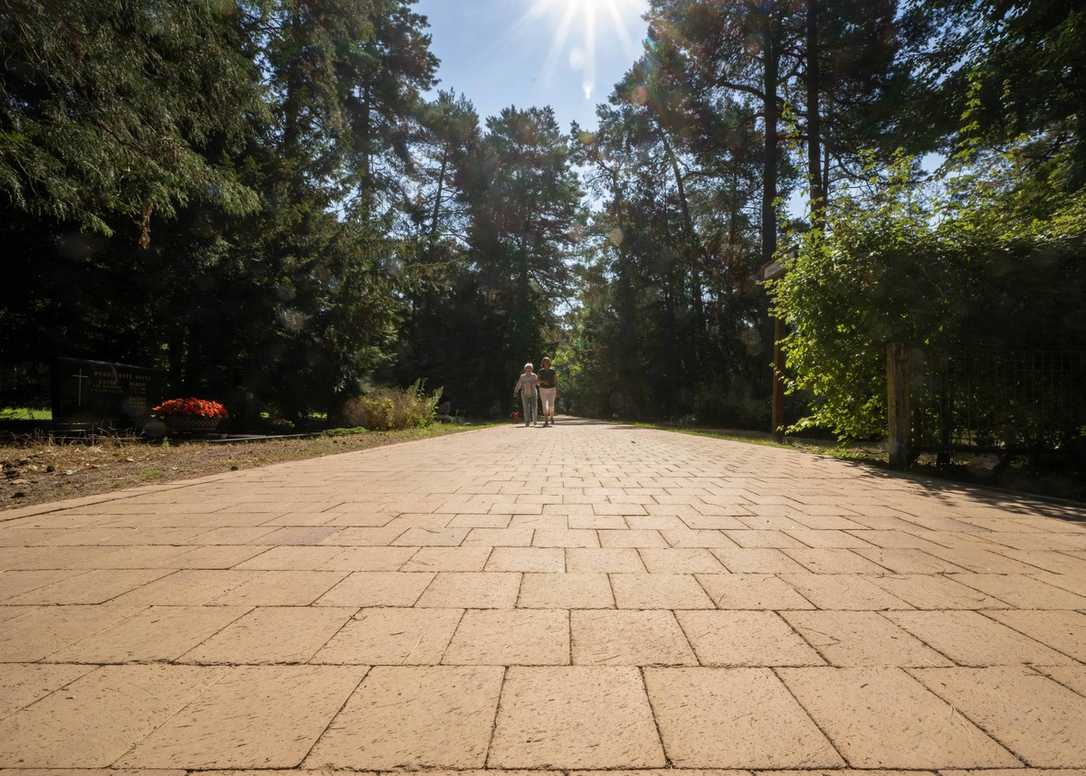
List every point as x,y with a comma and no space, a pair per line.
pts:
623,601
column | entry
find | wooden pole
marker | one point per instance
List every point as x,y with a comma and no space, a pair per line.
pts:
898,405
778,381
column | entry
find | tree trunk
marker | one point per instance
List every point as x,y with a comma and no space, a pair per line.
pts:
625,304
814,124
671,378
437,199
770,76
522,337
292,100
688,222
697,252
826,152
898,405
734,212
366,174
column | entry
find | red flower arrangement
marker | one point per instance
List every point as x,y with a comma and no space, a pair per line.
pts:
196,408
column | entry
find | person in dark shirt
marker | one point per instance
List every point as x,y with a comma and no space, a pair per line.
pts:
548,390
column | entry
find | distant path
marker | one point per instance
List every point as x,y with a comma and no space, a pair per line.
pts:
589,596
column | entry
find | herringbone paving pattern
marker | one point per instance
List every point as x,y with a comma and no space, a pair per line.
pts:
587,597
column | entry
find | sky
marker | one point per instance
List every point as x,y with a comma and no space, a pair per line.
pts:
564,53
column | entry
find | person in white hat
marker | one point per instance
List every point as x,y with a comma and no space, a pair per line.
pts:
526,387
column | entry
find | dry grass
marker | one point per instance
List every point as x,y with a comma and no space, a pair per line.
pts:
41,471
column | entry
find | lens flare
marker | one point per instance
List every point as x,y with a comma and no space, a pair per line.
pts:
578,25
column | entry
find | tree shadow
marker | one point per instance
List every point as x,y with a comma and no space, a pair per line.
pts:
947,492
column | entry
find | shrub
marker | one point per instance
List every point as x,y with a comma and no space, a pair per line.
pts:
729,407
386,409
992,262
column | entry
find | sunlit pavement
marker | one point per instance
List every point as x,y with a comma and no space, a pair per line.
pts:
588,596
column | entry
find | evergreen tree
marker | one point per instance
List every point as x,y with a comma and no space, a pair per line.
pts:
522,196
101,141
748,49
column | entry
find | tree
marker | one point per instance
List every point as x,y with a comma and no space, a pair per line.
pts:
98,151
993,261
522,196
746,48
449,134
387,71
184,204
667,299
849,98
99,141
1014,68
491,219
438,283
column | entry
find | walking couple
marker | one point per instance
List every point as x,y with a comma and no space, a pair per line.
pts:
546,384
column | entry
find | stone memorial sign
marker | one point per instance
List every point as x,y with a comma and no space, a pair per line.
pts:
103,392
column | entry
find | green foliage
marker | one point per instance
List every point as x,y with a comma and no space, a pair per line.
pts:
1025,65
995,259
385,409
347,431
25,413
493,250
729,406
523,196
693,158
114,109
181,185
257,198
669,317
990,254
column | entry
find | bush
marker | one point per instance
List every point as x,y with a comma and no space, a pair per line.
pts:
385,409
994,262
730,407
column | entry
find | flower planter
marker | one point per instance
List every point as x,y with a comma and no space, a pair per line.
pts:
191,424
190,415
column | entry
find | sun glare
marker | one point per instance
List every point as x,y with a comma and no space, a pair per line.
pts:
579,26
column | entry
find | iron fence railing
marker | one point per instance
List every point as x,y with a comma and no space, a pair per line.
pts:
999,400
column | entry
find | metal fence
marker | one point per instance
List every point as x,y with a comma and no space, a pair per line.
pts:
988,399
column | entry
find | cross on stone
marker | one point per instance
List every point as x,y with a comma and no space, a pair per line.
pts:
79,377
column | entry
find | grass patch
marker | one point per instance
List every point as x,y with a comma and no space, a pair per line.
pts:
25,413
869,453
342,432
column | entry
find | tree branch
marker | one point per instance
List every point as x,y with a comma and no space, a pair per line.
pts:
742,88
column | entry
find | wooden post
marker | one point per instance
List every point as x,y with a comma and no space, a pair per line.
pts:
898,404
778,381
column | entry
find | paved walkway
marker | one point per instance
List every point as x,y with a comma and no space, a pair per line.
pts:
618,599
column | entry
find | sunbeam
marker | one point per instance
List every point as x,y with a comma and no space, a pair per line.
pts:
558,42
588,83
578,27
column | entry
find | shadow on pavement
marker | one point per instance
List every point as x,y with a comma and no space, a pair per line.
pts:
947,491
